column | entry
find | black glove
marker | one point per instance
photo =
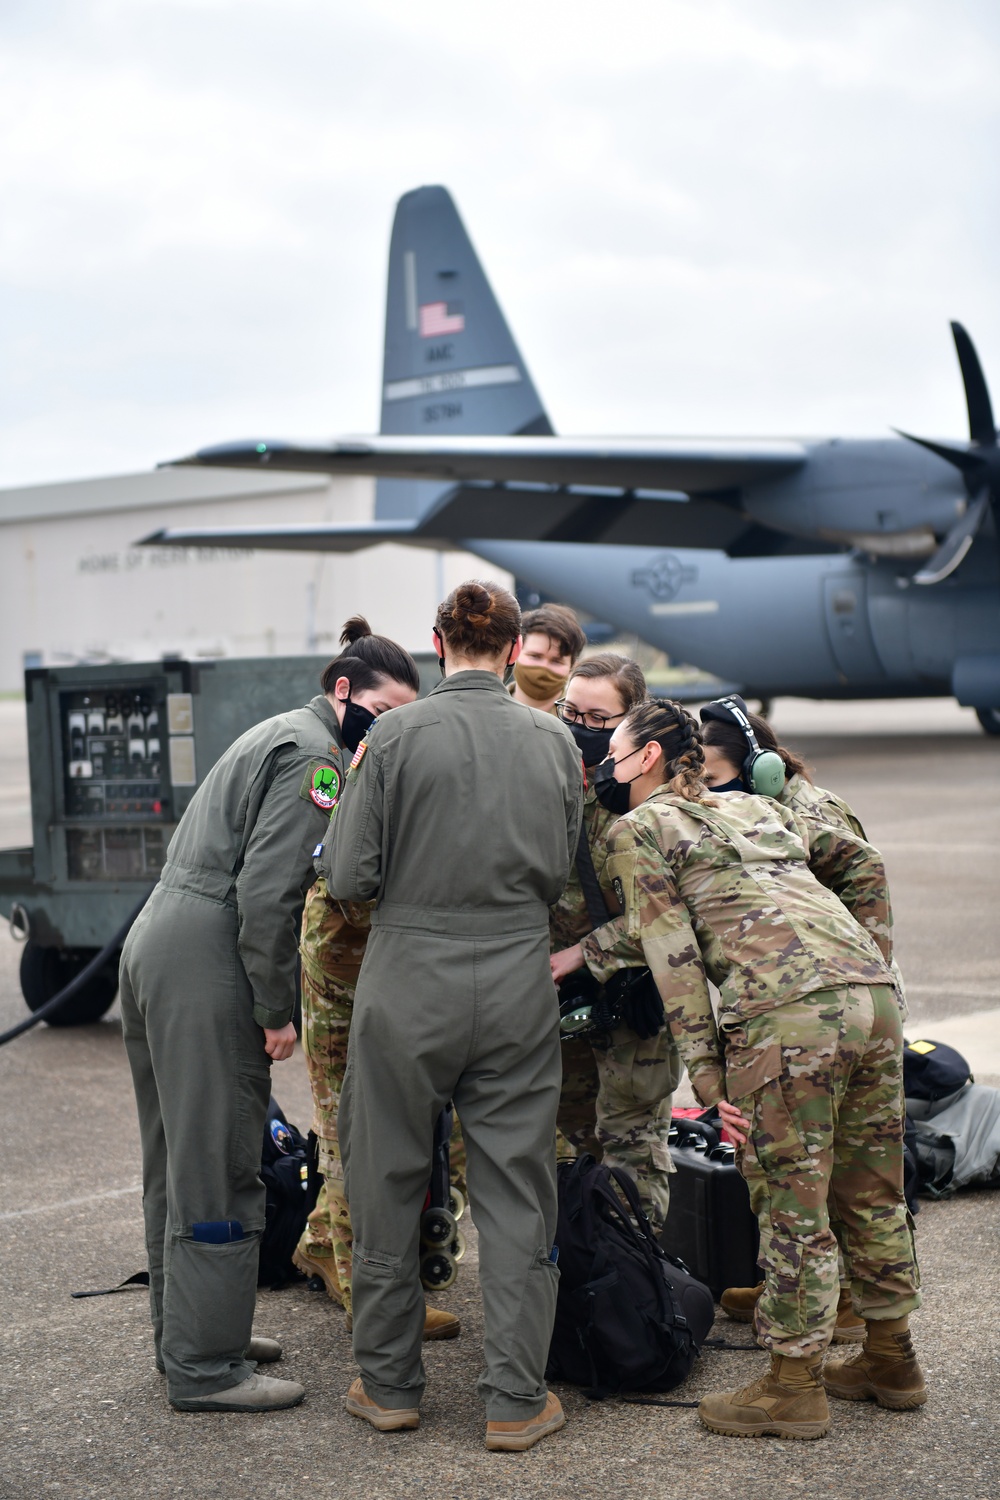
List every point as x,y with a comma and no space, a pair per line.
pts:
634,995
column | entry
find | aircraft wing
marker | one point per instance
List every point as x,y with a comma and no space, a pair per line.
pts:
694,465
628,492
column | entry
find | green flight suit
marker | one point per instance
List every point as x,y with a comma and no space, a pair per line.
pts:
211,960
460,815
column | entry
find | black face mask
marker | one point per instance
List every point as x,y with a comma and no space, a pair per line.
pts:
593,743
357,722
612,794
735,785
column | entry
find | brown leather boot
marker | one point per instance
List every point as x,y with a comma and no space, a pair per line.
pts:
738,1302
849,1328
787,1402
885,1370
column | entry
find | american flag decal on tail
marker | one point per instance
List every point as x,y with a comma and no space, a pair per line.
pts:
439,318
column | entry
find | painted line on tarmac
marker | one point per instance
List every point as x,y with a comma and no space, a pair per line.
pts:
51,1208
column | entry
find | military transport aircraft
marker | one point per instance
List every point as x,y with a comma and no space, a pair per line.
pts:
829,568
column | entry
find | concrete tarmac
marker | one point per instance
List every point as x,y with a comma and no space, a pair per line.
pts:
83,1411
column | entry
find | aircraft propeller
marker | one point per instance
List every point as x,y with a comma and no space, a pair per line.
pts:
979,464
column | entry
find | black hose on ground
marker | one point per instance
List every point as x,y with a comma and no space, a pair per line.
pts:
85,975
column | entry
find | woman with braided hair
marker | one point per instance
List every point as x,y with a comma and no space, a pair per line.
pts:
804,1061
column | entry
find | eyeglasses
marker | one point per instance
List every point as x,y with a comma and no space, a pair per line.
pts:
571,715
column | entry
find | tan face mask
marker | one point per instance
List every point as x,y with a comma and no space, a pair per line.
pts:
539,683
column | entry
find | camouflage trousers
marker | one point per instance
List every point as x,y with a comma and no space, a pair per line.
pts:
616,1103
821,1082
326,1027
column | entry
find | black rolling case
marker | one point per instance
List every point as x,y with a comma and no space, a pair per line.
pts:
710,1226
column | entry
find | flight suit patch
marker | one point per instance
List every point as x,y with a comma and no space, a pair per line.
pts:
321,785
355,766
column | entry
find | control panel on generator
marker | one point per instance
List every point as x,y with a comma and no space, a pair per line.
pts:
115,754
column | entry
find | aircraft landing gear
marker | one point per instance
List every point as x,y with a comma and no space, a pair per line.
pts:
989,718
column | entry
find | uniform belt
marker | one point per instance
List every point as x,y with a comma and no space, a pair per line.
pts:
492,921
216,884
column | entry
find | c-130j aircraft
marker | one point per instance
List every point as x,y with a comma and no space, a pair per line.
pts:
829,568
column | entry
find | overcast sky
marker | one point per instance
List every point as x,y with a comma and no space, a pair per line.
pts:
700,217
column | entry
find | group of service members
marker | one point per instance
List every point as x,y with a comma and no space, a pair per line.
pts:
472,847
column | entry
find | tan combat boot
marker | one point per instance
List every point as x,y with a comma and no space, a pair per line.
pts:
885,1370
516,1437
384,1418
323,1266
788,1402
849,1328
438,1324
738,1302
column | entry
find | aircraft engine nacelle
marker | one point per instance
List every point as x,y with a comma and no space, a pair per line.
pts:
829,626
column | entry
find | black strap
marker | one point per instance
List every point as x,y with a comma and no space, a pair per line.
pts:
731,1348
597,909
130,1284
654,1401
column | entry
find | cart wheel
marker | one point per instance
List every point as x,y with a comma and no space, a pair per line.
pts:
46,971
437,1270
456,1203
437,1228
458,1246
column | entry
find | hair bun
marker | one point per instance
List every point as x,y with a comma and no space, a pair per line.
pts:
473,603
354,629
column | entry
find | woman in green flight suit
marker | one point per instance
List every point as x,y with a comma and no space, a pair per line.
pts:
207,997
460,817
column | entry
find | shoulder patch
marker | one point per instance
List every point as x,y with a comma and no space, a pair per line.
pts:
619,890
359,755
321,785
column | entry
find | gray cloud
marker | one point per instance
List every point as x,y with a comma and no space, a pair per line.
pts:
699,216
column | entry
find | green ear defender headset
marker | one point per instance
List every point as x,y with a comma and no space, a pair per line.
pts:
763,771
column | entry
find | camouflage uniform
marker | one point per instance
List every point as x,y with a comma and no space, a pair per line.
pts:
814,804
808,1043
334,936
616,1098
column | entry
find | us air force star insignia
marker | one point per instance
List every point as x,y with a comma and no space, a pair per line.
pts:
619,890
324,787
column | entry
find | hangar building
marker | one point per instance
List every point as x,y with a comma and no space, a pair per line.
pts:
75,587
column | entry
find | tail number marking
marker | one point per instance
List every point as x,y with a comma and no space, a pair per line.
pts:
451,380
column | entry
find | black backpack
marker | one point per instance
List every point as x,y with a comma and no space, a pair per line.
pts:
628,1316
933,1070
291,1195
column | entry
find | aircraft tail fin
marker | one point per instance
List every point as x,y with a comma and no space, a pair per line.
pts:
451,364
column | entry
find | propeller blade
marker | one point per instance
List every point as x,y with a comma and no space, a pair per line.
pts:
956,544
968,460
982,429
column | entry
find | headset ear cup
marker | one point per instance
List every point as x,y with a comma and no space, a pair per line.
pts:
765,772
